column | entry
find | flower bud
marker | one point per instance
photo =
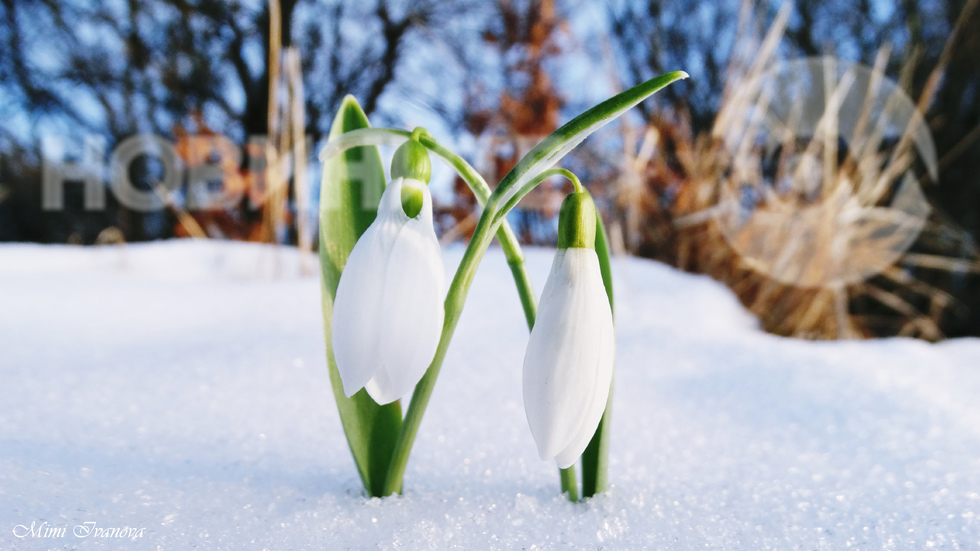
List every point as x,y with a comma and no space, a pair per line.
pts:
568,365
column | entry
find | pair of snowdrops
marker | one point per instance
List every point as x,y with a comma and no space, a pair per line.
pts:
388,314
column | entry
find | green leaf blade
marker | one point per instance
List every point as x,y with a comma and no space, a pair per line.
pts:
560,142
595,458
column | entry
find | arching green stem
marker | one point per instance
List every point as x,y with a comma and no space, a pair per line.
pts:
505,235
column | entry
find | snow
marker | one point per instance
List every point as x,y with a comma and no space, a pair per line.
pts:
180,388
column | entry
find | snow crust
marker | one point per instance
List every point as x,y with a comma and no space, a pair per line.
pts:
181,388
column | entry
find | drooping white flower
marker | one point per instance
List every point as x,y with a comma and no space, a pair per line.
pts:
568,365
388,312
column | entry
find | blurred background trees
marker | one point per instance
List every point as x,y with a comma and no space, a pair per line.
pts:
493,78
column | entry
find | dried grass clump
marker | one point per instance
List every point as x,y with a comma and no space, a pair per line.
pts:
836,241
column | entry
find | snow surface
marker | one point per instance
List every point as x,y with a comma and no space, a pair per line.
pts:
181,388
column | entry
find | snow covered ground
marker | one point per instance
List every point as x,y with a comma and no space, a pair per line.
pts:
179,390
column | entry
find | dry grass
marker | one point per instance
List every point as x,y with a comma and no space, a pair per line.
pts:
825,236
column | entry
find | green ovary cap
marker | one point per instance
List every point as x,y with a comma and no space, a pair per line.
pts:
412,200
411,160
576,222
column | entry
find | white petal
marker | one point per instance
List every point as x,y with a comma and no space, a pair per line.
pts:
594,411
388,314
569,361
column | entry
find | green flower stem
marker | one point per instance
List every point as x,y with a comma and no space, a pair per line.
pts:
569,484
482,236
524,289
509,244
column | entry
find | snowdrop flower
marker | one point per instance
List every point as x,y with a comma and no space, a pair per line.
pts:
388,314
568,365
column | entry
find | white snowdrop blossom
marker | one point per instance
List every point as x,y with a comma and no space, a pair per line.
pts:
388,312
568,366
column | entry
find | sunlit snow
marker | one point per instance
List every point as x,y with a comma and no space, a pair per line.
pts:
180,388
